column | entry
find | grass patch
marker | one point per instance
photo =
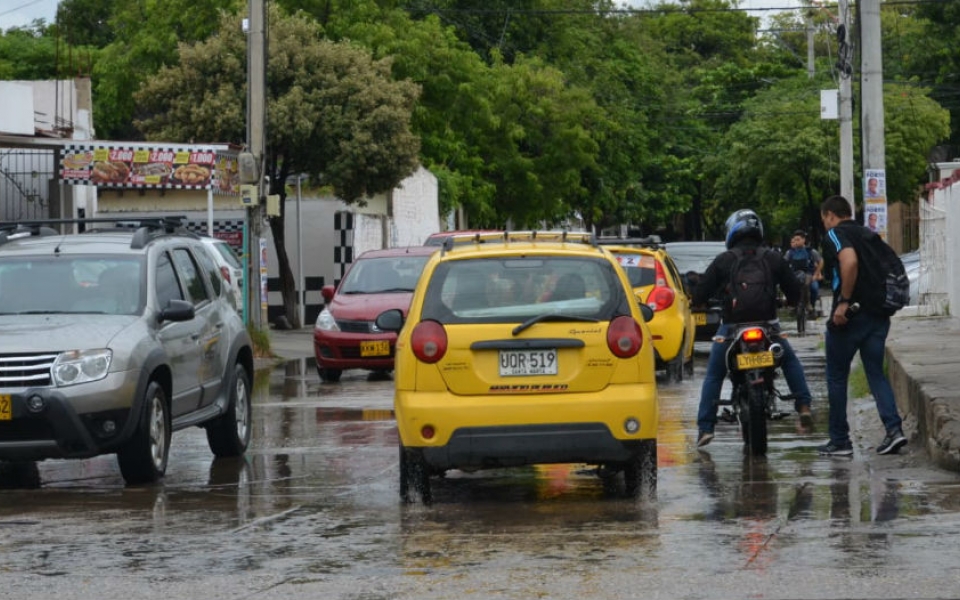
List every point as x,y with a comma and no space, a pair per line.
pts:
261,342
858,382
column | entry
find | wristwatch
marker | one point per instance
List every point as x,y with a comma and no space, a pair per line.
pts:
843,300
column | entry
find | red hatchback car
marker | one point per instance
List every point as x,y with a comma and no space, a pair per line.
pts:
345,336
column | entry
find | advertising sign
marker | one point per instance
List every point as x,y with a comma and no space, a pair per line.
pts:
118,166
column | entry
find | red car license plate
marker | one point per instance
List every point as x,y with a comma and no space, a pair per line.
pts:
377,348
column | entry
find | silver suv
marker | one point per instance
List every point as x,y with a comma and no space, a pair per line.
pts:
112,339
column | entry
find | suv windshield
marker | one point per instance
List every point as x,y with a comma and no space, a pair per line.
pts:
514,289
387,274
78,284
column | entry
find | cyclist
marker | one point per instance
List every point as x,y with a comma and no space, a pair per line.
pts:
807,263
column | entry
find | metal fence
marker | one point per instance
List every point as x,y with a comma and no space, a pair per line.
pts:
939,217
26,176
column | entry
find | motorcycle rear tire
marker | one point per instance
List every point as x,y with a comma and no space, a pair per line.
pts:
754,426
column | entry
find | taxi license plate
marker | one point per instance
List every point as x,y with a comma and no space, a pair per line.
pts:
528,362
754,360
6,408
700,318
377,348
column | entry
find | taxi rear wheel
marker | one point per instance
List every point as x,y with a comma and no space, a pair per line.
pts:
640,472
414,477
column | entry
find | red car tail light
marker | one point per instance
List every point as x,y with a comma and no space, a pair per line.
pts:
661,298
624,337
429,341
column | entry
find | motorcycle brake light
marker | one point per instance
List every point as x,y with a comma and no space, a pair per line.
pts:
754,334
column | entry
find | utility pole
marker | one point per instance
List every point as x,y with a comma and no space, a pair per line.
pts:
872,123
256,125
845,70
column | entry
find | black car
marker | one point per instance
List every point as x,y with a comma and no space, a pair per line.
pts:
692,260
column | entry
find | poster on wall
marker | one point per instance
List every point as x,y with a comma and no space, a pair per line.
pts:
875,200
119,166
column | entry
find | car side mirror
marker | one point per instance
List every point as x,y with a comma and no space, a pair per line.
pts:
647,312
177,310
327,292
390,320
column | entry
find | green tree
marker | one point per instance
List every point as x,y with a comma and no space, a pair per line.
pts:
29,53
146,37
779,159
332,112
86,22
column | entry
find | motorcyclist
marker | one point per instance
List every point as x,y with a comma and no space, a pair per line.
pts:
744,232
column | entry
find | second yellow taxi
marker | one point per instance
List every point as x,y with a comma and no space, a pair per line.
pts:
657,283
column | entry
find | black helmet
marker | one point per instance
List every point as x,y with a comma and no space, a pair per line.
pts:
742,224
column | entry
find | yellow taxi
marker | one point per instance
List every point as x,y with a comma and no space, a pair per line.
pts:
658,284
525,348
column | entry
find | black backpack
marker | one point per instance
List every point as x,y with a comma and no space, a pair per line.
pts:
882,287
752,292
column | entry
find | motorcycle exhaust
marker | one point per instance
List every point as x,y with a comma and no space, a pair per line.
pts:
777,350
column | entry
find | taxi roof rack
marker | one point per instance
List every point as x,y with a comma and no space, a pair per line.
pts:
650,241
529,235
144,228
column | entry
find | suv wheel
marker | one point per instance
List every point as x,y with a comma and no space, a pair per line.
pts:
229,434
143,459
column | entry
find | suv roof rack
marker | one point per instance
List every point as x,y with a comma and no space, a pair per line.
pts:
144,228
584,237
650,241
13,231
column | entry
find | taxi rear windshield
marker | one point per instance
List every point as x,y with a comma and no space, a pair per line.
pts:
514,289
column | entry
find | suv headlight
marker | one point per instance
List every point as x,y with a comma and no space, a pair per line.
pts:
78,366
326,322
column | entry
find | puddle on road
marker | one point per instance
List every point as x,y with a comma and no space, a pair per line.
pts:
318,493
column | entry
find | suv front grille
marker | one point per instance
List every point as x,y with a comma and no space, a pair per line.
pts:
26,370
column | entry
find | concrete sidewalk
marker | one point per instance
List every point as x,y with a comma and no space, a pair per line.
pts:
925,374
291,344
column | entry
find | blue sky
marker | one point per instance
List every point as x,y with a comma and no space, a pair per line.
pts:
14,13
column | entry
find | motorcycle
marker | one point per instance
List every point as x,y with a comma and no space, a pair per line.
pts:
753,358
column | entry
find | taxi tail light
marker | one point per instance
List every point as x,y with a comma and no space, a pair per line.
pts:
429,341
661,297
624,337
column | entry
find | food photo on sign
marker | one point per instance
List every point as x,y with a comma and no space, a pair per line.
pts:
138,167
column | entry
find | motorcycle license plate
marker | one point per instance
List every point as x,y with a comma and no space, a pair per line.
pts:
755,360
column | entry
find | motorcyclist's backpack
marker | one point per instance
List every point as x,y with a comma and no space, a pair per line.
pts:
752,291
882,287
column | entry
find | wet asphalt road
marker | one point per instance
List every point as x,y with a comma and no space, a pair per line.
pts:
313,512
